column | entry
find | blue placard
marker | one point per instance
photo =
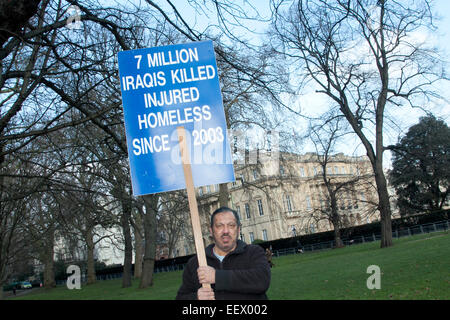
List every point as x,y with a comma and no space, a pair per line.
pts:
163,88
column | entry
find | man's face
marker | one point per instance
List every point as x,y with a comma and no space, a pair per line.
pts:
225,232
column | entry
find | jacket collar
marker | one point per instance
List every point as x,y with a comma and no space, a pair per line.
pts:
240,247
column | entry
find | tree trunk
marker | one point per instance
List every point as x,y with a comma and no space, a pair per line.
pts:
138,248
335,220
128,259
2,277
224,195
49,271
90,256
2,233
337,230
337,237
384,207
380,179
151,207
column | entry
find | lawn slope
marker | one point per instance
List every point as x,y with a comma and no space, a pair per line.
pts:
414,268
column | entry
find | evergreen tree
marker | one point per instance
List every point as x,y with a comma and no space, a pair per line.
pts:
421,166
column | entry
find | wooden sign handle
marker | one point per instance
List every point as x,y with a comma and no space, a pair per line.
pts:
195,218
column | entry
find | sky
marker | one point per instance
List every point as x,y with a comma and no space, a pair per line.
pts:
405,117
311,102
443,11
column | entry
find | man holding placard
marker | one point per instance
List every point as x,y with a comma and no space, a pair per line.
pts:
177,138
235,269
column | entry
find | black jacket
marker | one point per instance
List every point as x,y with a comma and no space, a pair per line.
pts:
243,274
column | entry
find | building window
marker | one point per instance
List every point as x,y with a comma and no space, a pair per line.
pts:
242,237
200,191
308,203
336,171
162,237
186,250
315,171
312,228
343,170
349,202
264,235
208,189
281,170
302,172
342,204
252,237
238,210
288,203
255,174
247,211
363,198
260,207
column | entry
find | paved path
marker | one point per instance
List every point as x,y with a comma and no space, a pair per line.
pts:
20,292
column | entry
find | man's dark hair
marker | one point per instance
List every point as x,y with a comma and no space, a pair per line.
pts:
225,209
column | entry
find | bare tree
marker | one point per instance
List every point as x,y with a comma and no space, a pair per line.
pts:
325,136
120,183
173,220
87,211
361,54
149,212
56,79
28,216
13,213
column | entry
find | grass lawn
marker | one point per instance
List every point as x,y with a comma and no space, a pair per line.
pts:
415,267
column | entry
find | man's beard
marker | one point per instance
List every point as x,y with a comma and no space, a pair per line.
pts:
225,247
